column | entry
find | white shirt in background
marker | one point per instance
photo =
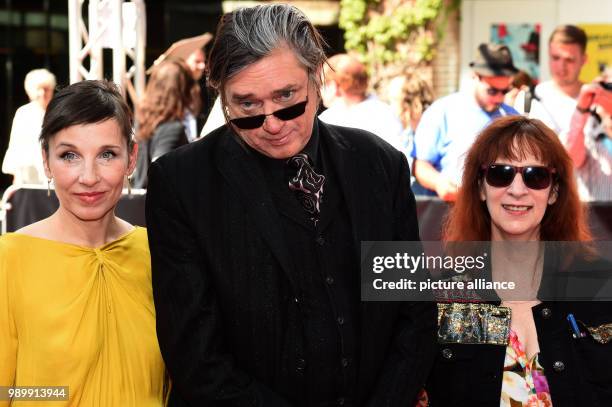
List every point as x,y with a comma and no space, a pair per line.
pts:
372,115
215,118
554,107
23,157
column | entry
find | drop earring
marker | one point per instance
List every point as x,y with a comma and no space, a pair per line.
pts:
49,187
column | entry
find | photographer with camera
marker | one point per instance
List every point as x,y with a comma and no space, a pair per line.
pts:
589,141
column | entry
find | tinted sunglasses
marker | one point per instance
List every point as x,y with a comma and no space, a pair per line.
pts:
287,113
492,91
502,175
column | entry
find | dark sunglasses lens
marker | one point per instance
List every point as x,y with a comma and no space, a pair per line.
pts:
500,175
253,122
248,123
536,177
291,112
495,91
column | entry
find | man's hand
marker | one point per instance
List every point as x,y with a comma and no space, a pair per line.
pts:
594,94
433,179
446,190
587,96
603,98
591,95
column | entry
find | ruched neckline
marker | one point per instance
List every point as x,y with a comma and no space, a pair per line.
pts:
96,250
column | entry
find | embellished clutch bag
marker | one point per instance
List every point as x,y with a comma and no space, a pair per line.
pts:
473,323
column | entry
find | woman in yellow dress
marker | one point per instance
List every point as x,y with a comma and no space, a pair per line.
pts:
76,305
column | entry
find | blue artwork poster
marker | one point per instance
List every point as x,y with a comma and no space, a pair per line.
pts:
523,40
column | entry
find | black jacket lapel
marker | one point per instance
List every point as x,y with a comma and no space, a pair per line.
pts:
347,169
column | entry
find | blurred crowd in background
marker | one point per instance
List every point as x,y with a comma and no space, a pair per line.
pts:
177,108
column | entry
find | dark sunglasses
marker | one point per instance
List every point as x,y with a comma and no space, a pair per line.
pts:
492,91
287,113
502,175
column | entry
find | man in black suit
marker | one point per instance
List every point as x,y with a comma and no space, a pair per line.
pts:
255,235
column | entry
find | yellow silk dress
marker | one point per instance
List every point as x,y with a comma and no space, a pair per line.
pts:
80,317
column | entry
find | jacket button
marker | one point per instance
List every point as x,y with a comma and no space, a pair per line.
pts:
340,321
558,366
320,240
345,362
546,313
447,353
300,365
329,280
341,401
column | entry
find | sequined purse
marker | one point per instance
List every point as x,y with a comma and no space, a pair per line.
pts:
473,323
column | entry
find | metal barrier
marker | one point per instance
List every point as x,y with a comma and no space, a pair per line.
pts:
26,204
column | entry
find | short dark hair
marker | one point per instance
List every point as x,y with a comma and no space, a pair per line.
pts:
86,102
247,35
569,34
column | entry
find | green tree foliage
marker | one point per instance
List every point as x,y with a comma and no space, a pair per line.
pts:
381,30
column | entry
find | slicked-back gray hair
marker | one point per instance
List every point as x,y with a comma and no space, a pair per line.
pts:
247,35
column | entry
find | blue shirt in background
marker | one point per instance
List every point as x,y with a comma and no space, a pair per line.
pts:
448,129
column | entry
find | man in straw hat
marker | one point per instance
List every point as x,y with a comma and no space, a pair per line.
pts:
256,265
449,126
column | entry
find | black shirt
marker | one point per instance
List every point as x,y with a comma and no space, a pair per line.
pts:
327,274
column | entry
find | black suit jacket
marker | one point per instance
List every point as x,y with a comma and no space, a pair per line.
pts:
219,256
577,370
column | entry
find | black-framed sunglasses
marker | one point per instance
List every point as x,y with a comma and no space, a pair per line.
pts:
287,113
493,91
534,176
